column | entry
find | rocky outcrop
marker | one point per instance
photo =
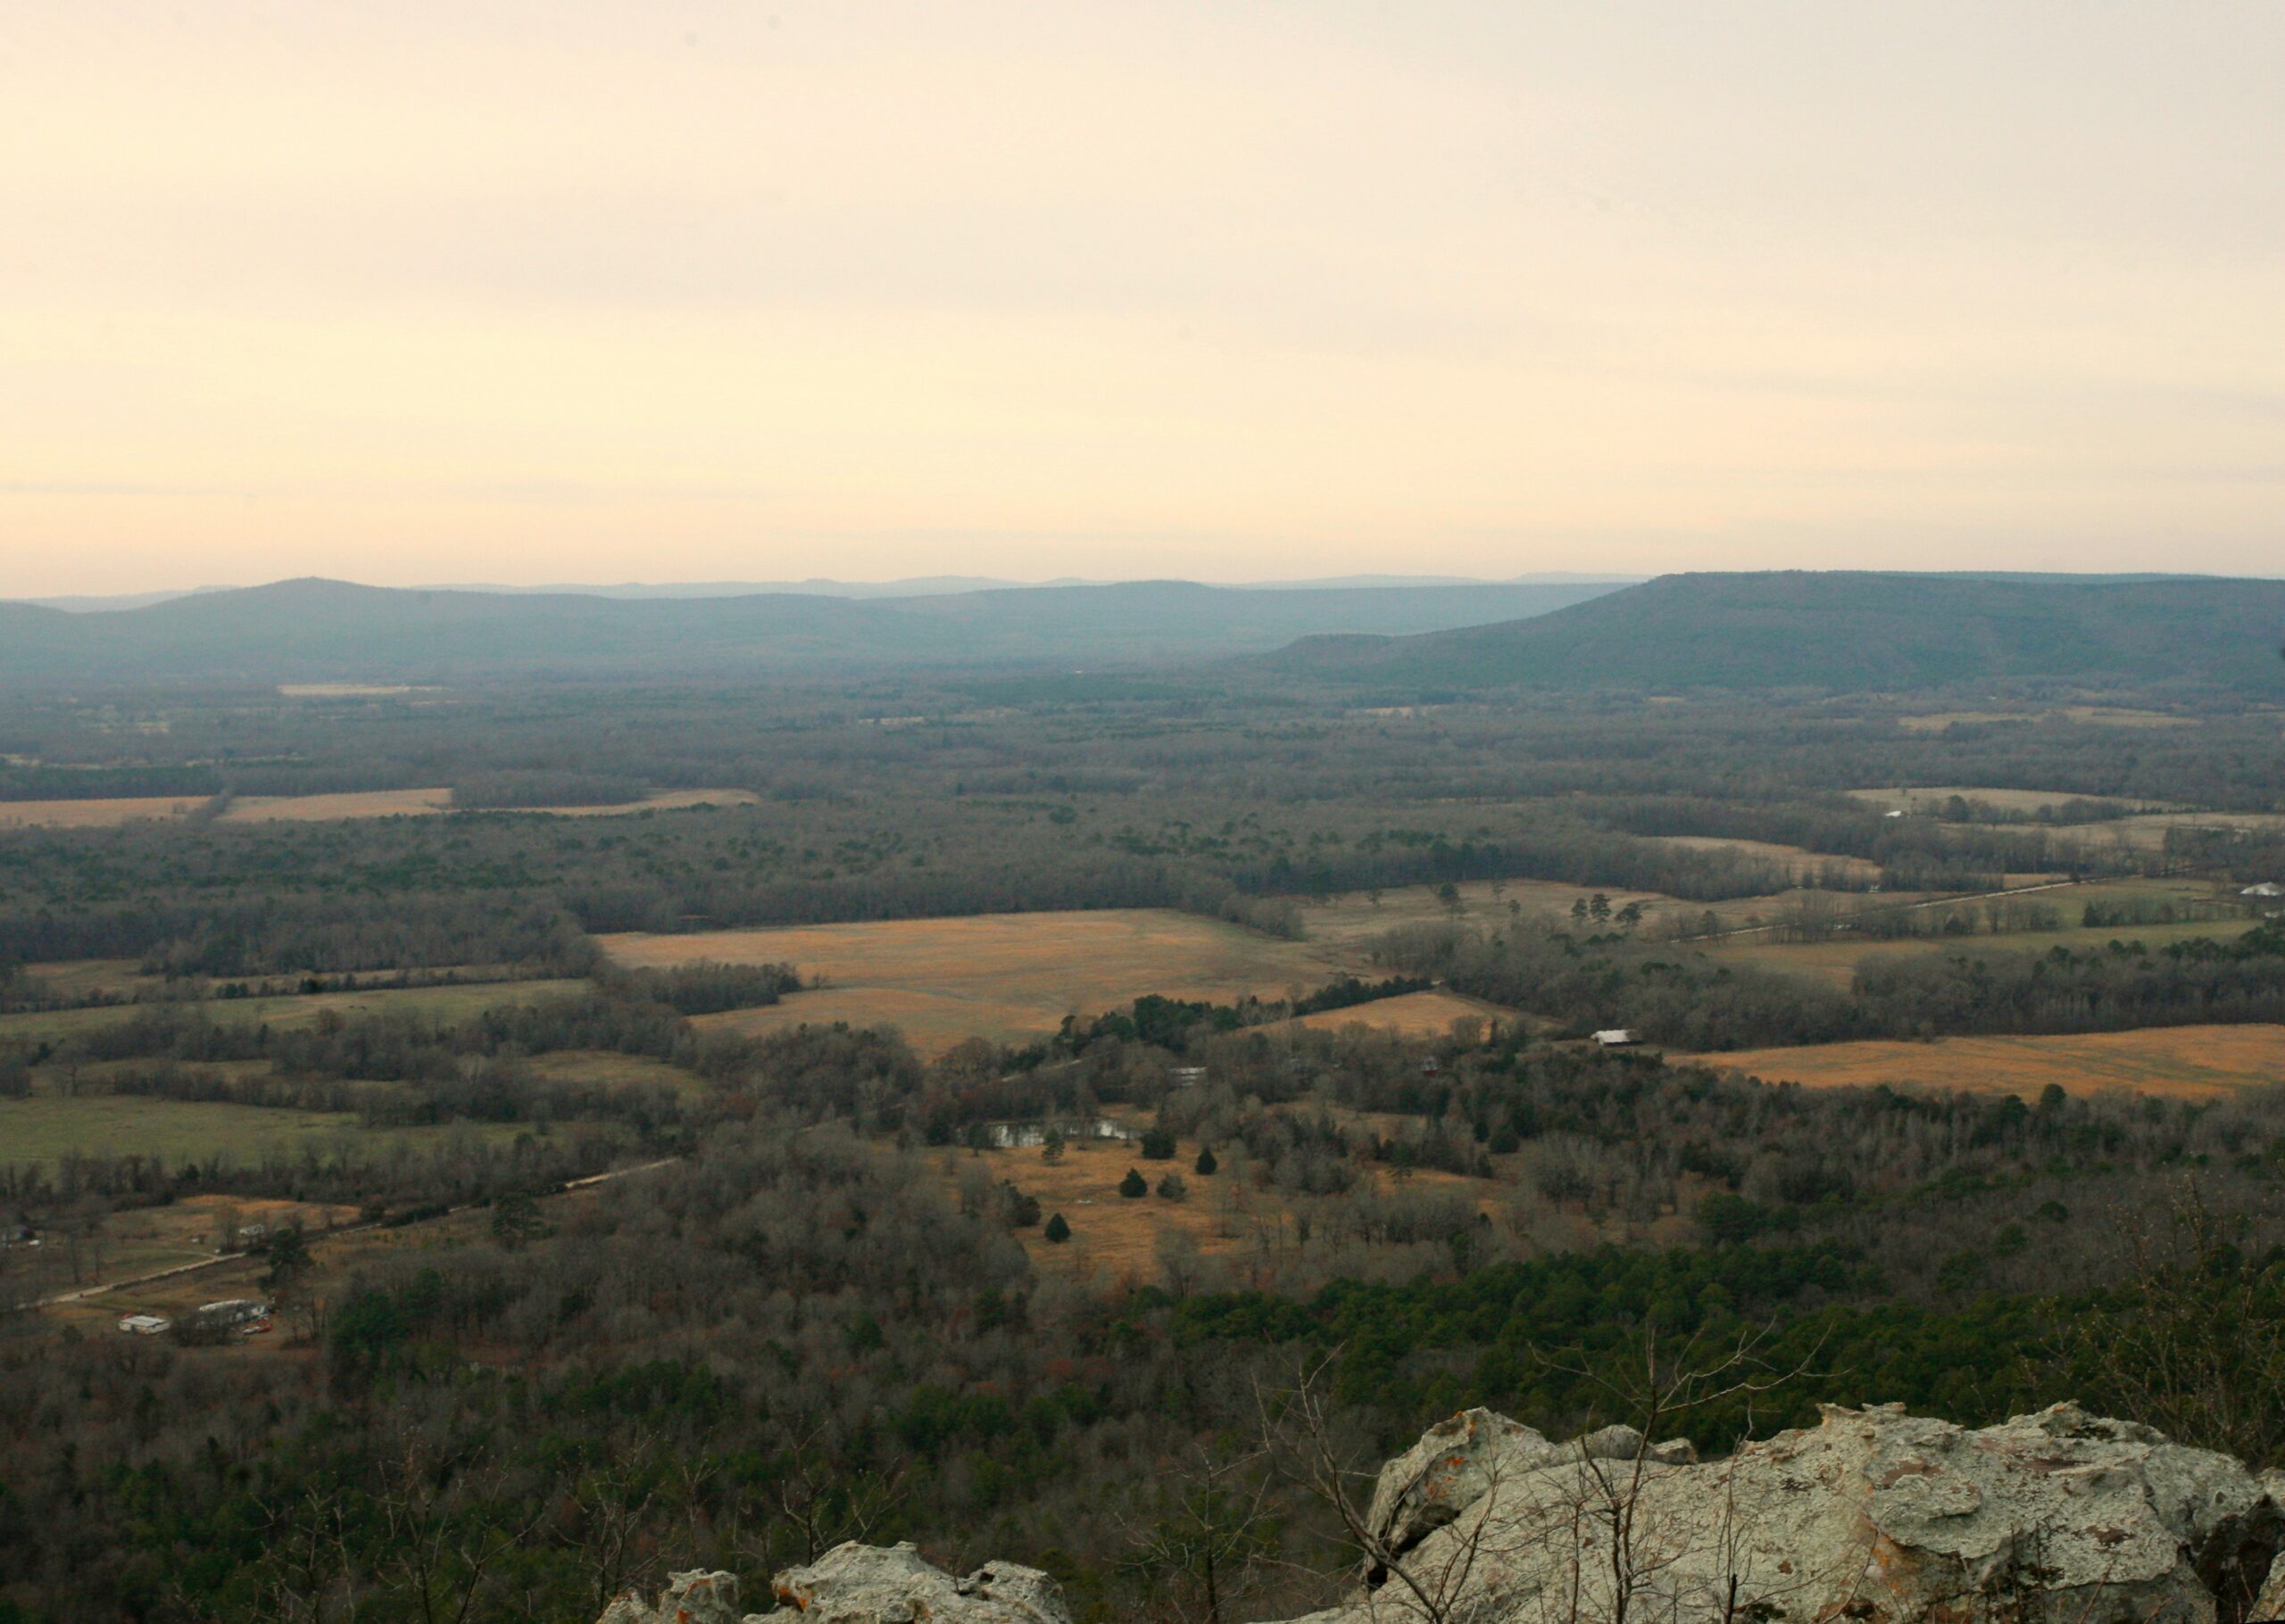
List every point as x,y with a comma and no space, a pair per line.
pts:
2058,1518
854,1584
1873,1516
696,1597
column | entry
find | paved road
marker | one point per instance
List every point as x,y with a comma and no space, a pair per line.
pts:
82,1292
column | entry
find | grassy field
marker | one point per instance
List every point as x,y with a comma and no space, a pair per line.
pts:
1798,861
1347,924
295,1010
2147,831
1004,976
2180,1062
327,808
1834,961
1936,721
1412,1014
96,814
612,1071
42,1129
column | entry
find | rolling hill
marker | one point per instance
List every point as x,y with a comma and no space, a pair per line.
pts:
1841,631
312,631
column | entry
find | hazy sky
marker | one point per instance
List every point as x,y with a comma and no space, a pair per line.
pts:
420,291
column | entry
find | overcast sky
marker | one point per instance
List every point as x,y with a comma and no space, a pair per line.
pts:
444,290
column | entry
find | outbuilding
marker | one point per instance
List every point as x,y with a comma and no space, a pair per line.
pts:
145,1324
1618,1036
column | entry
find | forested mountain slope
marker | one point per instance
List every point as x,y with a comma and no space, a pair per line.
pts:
1844,632
318,630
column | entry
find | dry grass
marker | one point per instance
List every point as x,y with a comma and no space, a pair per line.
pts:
330,808
661,800
96,814
1347,924
596,1066
932,1022
1006,976
1935,721
2177,1062
81,979
1798,861
2147,831
1412,1014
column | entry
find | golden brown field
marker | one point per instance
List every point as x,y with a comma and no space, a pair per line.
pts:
1005,976
660,800
2178,1062
1411,1014
326,808
96,814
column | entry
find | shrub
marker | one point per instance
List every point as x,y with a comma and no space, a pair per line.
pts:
1133,1185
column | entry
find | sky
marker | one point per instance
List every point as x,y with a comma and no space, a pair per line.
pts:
423,291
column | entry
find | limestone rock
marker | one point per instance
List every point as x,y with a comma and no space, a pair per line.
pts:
1455,1463
1874,1515
696,1597
1626,1444
855,1584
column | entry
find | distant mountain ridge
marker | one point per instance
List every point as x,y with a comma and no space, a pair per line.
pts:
822,587
1854,632
314,630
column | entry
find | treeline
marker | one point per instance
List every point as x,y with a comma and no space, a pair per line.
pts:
186,780
389,1045
224,937
1688,1001
705,988
379,1182
1812,918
